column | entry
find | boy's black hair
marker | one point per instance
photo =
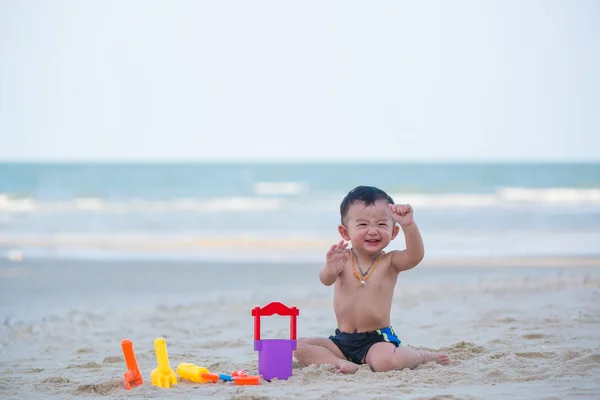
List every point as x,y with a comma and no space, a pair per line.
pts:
364,194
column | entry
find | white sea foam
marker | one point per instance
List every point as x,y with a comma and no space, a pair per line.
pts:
550,195
279,188
504,197
9,204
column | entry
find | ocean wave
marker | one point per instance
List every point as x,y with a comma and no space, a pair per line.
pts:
503,197
11,204
279,188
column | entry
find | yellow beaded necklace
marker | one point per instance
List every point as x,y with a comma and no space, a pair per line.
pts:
362,279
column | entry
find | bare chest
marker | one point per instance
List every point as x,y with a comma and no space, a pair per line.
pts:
372,284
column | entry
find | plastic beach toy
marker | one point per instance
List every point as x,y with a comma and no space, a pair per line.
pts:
239,372
246,380
275,355
133,378
225,378
239,377
194,373
163,376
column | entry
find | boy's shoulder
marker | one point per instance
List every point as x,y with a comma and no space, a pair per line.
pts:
400,260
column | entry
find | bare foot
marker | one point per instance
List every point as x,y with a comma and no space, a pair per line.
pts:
346,367
440,358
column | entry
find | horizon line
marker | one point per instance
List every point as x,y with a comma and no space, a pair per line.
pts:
296,161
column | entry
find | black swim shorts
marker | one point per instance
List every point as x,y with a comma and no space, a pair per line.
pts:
355,346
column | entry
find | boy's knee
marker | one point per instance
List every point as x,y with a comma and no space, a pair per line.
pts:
302,352
301,344
383,364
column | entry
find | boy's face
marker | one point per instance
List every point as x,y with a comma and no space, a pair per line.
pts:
370,229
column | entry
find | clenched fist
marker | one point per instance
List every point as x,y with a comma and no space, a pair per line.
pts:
402,214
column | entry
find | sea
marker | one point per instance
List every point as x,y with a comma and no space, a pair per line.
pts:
290,211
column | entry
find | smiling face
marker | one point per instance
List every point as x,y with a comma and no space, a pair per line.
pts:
369,228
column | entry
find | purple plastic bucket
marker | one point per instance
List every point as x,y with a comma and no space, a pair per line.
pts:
275,357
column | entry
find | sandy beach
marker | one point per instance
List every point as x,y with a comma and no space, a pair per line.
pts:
167,167
525,329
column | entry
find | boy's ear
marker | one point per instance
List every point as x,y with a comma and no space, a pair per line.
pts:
343,232
395,231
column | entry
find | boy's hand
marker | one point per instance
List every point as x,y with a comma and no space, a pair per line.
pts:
402,214
337,257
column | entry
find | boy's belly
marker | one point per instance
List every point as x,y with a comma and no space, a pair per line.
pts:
358,316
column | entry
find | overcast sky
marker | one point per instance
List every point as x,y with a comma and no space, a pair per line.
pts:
304,80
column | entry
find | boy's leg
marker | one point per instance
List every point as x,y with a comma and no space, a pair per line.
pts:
322,351
387,357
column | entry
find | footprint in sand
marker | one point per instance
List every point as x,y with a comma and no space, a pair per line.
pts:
99,388
90,364
53,382
534,336
497,356
56,380
113,359
506,320
495,374
84,351
537,354
33,370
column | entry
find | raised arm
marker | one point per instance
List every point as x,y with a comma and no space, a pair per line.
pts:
412,256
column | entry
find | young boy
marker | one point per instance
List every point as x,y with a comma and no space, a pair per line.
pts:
364,278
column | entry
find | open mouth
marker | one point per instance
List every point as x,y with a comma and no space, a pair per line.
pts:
373,241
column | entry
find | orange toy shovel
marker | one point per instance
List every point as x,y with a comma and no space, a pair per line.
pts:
133,378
